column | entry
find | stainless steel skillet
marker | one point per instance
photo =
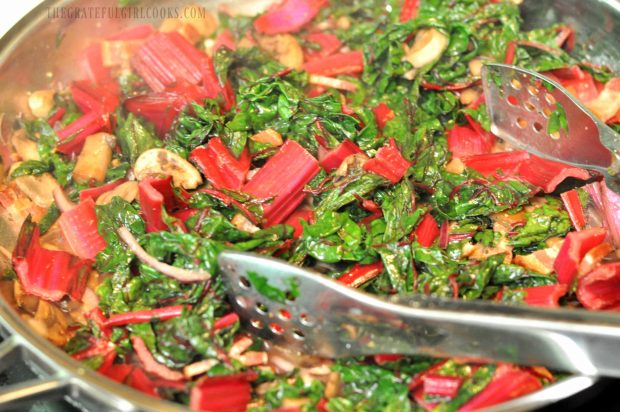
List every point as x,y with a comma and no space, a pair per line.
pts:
28,53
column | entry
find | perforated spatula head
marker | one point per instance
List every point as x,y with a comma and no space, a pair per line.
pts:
536,114
306,312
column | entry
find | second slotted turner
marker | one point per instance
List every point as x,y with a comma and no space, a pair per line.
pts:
536,114
307,312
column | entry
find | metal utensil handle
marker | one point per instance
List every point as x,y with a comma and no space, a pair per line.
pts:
568,340
333,320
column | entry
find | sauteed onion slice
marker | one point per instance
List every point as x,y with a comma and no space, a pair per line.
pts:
182,275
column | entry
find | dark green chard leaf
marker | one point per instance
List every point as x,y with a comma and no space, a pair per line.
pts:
262,286
397,206
117,172
557,120
517,276
279,104
51,215
397,261
189,336
348,190
370,388
286,388
334,237
110,218
478,197
193,128
134,137
435,268
544,222
475,278
31,167
50,161
470,387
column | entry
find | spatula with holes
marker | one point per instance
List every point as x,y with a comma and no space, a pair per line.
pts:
310,313
536,114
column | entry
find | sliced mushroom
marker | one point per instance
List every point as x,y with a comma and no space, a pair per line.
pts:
469,96
128,191
343,23
455,166
39,189
24,301
244,224
54,239
268,136
184,29
284,48
475,66
428,46
162,162
332,387
200,19
25,148
295,403
540,261
41,102
333,82
94,159
352,162
193,23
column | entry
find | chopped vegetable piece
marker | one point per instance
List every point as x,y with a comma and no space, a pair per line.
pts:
573,206
540,172
548,174
578,82
341,63
159,108
383,114
288,16
150,364
182,275
94,192
92,65
427,231
230,393
610,206
388,162
152,204
328,43
488,164
508,383
546,296
219,166
281,180
409,10
73,136
334,157
442,385
48,274
575,246
360,274
465,141
144,316
302,214
101,99
600,289
226,321
165,60
79,227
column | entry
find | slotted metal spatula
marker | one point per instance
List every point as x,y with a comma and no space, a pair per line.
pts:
536,114
309,313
